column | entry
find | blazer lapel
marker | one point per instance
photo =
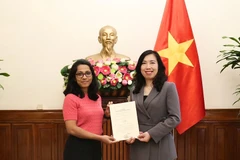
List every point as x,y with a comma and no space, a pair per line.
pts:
141,104
150,97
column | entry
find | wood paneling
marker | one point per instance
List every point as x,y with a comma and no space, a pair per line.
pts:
5,141
216,137
46,141
41,135
22,141
31,135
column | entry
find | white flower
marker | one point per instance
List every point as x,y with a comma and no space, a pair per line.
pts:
99,64
113,62
130,62
129,82
108,78
70,66
122,60
114,66
107,62
118,74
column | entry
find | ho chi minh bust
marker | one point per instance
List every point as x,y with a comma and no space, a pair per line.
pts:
108,38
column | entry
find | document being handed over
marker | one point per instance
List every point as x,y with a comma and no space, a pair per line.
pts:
124,120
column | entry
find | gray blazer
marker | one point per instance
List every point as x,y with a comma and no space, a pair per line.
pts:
159,114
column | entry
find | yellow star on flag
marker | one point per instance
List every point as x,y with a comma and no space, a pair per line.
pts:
176,52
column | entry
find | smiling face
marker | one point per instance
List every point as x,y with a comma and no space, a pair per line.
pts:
83,77
149,67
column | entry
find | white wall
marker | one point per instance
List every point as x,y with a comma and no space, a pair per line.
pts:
39,37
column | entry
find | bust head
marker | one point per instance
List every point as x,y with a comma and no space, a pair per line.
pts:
108,37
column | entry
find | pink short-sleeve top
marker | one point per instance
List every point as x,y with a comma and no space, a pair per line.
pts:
87,113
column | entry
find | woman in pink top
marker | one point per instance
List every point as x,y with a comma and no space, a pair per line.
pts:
83,114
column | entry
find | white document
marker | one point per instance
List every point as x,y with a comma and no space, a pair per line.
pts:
124,120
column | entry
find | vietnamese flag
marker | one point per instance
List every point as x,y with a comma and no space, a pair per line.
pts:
177,48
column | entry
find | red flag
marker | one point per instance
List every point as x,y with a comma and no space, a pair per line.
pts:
177,48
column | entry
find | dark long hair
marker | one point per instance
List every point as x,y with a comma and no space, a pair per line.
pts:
74,88
159,79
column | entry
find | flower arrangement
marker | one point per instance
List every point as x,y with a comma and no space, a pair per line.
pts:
111,74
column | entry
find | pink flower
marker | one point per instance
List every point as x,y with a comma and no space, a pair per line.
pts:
99,61
103,81
112,75
127,77
114,82
131,67
117,60
123,69
105,70
124,82
96,70
92,62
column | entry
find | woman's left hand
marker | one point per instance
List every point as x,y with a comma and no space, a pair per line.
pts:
144,137
130,140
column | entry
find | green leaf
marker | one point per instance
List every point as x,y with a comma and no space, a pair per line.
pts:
4,74
229,45
130,87
1,87
65,71
238,100
119,85
113,87
234,39
106,86
232,58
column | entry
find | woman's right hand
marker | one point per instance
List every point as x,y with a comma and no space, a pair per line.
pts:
130,140
107,139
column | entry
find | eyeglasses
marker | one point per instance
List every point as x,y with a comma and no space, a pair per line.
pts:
81,74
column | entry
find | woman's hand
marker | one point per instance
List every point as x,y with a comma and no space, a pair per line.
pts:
107,139
144,137
130,140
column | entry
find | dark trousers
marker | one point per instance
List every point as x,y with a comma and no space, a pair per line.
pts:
82,149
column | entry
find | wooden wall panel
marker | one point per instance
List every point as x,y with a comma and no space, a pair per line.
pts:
23,142
237,140
199,143
226,144
216,137
5,141
38,135
45,141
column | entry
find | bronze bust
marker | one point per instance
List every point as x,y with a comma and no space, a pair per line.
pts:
108,38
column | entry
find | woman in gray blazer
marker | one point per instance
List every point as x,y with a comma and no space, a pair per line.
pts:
158,110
